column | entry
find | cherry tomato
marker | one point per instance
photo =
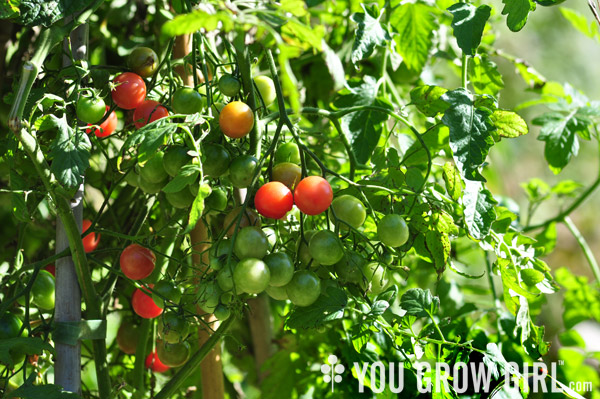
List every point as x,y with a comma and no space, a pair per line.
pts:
313,195
106,127
273,200
148,111
348,209
392,230
241,170
187,101
166,289
251,242
225,278
153,170
302,250
278,293
288,152
249,219
128,336
43,290
90,109
287,173
143,61
174,159
281,268
143,304
236,120
215,160
51,269
251,276
304,289
349,268
374,277
10,326
149,187
208,296
216,200
219,252
182,199
325,247
172,327
229,85
90,240
137,262
154,363
222,312
266,89
173,355
129,91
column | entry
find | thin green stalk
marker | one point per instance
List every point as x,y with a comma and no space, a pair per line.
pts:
464,70
243,59
587,251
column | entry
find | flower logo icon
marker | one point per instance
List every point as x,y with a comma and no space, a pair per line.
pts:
332,371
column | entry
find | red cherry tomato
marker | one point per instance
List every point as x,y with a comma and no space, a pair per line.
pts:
129,91
313,195
154,363
137,262
148,111
52,269
144,305
106,127
91,240
274,200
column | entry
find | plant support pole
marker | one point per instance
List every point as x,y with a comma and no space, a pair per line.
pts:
67,369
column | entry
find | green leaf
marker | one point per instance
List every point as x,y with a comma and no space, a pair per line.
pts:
531,277
438,245
566,188
70,153
560,134
484,76
335,67
48,391
428,99
415,25
571,338
362,128
508,124
369,33
454,184
330,306
186,176
282,374
546,239
360,333
379,307
197,20
468,24
470,133
419,302
581,300
26,345
198,206
517,12
479,209
580,22
46,13
289,82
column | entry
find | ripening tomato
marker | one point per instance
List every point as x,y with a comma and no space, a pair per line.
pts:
129,91
273,200
173,355
313,195
43,290
236,119
90,240
288,173
266,89
143,61
52,269
148,111
106,127
127,337
154,363
137,262
143,304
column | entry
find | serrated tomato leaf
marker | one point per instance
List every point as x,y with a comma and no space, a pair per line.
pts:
70,153
369,33
329,306
468,24
414,25
517,12
479,209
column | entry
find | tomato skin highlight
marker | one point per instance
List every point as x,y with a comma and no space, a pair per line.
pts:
107,127
313,195
137,262
236,119
148,111
153,363
143,304
90,240
274,200
130,90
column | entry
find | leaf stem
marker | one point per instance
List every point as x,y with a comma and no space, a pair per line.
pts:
587,251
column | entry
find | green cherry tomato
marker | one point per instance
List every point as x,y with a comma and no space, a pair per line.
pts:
325,247
153,170
173,355
281,268
149,187
43,290
208,296
229,85
173,327
166,289
266,89
143,61
182,199
288,152
10,325
392,230
251,242
304,289
216,200
303,254
375,279
187,101
225,278
222,312
278,293
215,160
349,268
241,170
348,210
251,276
90,109
174,159
219,253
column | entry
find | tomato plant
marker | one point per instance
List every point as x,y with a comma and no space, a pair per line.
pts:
288,152
287,173
266,89
229,85
148,111
215,160
241,170
313,195
304,289
174,158
251,242
325,247
274,200
392,230
173,355
43,290
129,90
281,268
